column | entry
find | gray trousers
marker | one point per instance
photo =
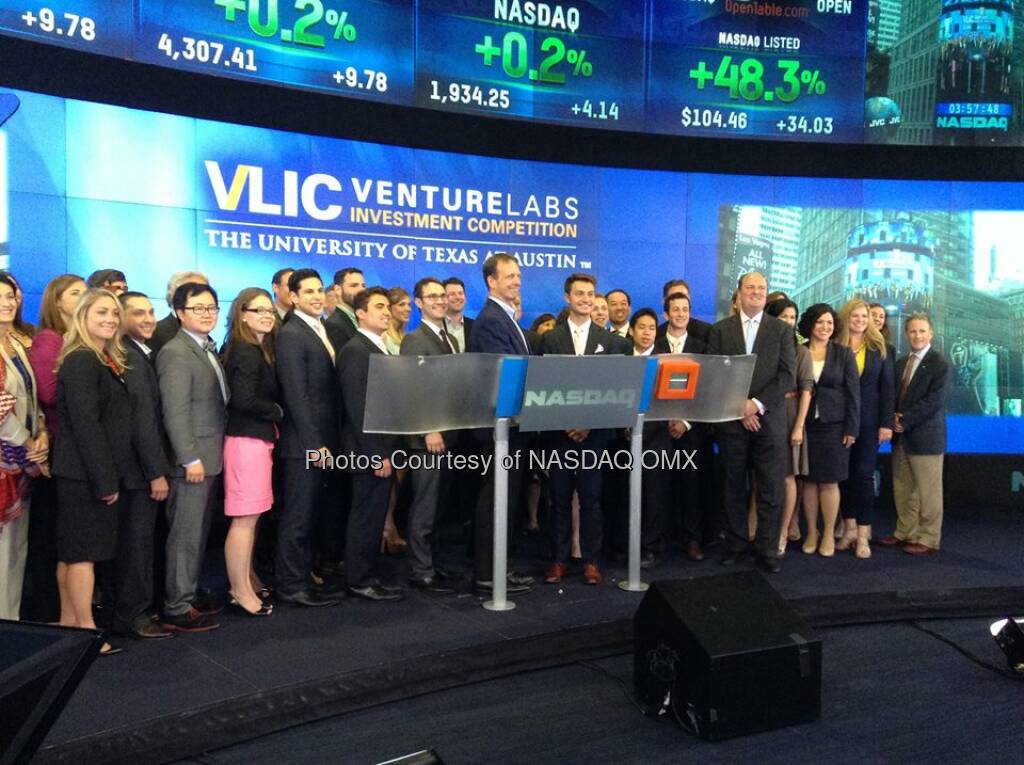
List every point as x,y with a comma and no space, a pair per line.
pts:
422,511
189,511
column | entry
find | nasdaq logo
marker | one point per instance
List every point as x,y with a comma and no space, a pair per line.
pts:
294,194
1017,481
624,397
9,104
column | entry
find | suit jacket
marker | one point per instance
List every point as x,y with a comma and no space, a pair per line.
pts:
424,341
558,341
149,440
254,409
166,328
701,330
923,406
774,370
340,329
877,394
495,332
353,370
94,410
692,344
195,414
308,387
656,433
836,395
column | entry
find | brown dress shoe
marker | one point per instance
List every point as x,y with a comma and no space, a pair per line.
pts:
891,541
693,551
916,548
592,574
556,573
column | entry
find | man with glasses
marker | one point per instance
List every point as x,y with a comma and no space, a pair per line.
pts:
194,395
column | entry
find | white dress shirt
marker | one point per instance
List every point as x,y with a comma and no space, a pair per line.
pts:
675,344
580,333
376,339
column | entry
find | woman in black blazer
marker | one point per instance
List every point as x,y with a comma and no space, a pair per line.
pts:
89,457
254,410
832,425
877,405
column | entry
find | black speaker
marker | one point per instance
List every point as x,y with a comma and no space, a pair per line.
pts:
726,655
40,667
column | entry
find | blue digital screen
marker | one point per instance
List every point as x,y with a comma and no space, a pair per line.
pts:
85,186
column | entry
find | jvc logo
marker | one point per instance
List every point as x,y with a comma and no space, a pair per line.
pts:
1016,481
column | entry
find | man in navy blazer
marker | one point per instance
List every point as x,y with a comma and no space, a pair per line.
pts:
759,438
924,379
495,331
309,392
577,336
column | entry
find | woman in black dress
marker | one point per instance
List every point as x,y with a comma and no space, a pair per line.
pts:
94,412
832,425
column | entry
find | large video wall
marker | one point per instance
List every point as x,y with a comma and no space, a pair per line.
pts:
86,186
943,72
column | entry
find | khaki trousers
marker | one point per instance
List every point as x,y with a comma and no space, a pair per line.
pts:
917,490
13,553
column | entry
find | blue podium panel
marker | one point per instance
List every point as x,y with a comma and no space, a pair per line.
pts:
408,395
700,388
565,392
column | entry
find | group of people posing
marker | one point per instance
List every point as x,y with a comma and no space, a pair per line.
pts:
107,414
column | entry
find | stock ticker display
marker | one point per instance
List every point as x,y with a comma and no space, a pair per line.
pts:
926,72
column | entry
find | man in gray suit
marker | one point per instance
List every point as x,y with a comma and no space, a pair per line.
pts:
428,339
759,439
194,393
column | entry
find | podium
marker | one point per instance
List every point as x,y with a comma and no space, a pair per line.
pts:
410,395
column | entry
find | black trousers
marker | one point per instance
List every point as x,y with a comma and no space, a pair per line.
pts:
857,492
133,566
365,527
302,504
40,599
587,484
765,451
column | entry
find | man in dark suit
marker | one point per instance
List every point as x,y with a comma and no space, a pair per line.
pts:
699,329
428,339
760,437
282,295
168,326
620,307
577,336
145,478
458,326
495,331
924,379
309,391
194,395
371,482
341,325
687,491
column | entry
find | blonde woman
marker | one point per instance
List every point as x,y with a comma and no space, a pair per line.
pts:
400,305
25,445
861,335
93,409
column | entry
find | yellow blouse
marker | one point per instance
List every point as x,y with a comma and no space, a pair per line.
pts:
861,354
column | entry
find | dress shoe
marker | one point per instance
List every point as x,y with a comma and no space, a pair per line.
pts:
390,587
308,599
891,541
331,588
770,565
150,631
733,558
430,584
556,573
650,560
810,545
519,580
190,621
486,587
916,548
693,551
374,592
592,574
208,605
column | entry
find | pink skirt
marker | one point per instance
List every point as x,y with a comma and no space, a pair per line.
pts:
248,487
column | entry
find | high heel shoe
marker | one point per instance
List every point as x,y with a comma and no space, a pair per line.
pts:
863,550
811,542
827,548
847,540
265,609
793,535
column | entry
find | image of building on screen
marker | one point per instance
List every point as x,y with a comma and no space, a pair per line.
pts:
957,266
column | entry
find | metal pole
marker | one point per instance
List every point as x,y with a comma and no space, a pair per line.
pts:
499,601
636,446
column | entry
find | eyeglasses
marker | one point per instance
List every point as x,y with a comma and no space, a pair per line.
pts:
434,298
260,311
203,310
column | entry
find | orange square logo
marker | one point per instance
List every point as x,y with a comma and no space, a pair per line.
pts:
677,379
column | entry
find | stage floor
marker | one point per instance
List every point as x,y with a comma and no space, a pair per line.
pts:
249,657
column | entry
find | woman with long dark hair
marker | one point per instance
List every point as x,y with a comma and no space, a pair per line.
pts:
254,411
